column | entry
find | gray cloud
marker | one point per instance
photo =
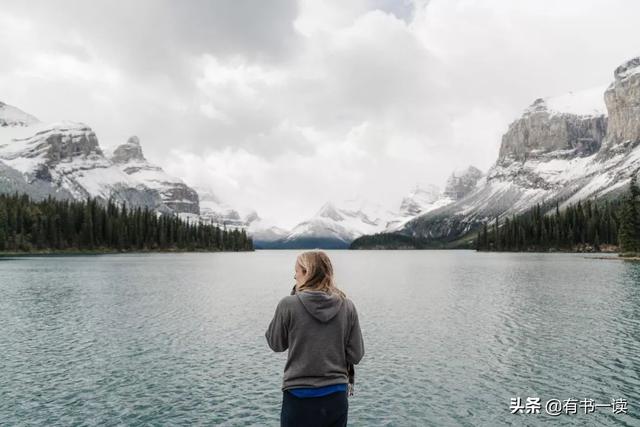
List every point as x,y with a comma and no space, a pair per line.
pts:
157,36
254,98
401,9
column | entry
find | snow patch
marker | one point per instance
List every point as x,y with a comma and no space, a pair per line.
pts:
11,116
588,102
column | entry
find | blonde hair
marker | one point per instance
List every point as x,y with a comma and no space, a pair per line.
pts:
317,266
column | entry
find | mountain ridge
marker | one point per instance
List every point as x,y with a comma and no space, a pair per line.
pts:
562,149
548,156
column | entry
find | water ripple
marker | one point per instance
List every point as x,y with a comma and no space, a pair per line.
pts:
450,337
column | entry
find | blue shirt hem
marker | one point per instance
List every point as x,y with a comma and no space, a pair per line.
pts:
317,391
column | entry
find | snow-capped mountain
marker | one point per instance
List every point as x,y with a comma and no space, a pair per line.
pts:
420,200
335,227
266,235
13,117
417,202
65,160
423,200
214,211
174,193
561,149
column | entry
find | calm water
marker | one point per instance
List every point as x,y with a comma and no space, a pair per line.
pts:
450,337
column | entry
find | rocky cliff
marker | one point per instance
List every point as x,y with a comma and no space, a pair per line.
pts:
623,105
418,200
174,193
562,149
541,130
65,160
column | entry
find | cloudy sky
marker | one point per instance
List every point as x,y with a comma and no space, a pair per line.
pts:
282,105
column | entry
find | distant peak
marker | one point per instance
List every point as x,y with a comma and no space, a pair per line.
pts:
327,205
131,150
629,67
12,116
536,106
328,210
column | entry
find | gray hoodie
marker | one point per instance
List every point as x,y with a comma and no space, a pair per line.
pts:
322,334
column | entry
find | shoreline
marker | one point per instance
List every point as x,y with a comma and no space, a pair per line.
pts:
48,253
619,258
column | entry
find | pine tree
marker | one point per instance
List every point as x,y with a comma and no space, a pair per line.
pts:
54,224
3,225
587,222
628,231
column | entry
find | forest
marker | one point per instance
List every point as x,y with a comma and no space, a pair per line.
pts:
53,225
586,225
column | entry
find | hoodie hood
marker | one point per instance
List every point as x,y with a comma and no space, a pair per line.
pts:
320,305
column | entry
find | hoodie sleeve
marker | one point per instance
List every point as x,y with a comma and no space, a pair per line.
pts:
278,331
355,343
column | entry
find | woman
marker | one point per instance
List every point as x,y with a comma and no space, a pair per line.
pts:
319,325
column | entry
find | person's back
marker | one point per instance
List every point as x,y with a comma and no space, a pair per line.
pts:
319,326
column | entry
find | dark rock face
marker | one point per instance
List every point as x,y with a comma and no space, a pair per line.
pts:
138,197
12,181
549,156
175,194
540,131
43,173
181,198
65,160
68,163
131,150
63,146
63,143
623,104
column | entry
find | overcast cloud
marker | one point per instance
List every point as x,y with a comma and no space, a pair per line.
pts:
283,105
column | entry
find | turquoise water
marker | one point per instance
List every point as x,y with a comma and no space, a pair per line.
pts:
450,337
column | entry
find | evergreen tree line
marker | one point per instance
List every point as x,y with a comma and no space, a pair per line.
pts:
51,224
387,241
629,230
591,223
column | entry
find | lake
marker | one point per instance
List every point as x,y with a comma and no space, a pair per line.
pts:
450,337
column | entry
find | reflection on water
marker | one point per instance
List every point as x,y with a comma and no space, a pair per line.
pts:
450,337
